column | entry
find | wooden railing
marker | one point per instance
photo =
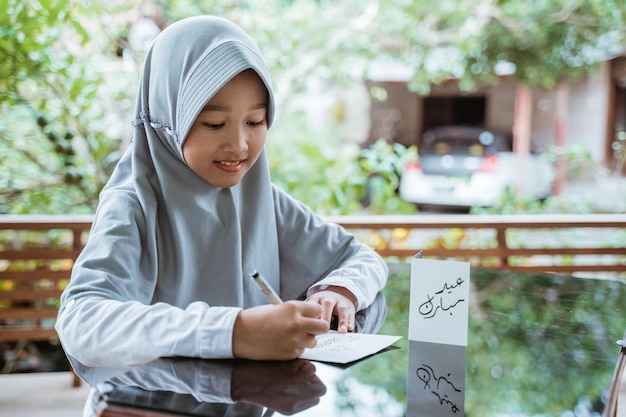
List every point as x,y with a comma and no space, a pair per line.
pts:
566,243
38,251
542,242
34,267
36,257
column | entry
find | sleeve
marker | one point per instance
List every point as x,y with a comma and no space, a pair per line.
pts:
206,381
107,317
315,254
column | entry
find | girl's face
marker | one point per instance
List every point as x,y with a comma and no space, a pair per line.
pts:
228,135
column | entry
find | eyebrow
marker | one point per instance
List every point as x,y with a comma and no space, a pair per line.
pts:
211,107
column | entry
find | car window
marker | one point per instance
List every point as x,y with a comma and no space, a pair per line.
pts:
455,146
476,150
471,141
441,148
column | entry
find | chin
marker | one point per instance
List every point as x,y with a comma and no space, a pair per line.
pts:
225,183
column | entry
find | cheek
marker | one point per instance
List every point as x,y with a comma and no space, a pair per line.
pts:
188,154
189,145
195,154
257,142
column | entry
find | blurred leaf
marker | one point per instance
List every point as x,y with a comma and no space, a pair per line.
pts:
71,62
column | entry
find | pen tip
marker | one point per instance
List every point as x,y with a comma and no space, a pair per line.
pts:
254,274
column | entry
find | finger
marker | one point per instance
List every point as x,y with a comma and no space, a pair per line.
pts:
307,317
309,341
328,305
315,326
308,309
345,316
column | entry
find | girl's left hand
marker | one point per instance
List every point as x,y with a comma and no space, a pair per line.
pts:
338,301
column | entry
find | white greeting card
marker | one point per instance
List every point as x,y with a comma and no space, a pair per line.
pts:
335,347
438,311
438,323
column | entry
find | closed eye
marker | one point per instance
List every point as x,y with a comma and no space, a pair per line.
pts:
259,123
213,126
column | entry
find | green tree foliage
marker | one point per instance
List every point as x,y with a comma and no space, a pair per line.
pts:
66,95
332,176
55,148
313,166
299,38
542,41
469,40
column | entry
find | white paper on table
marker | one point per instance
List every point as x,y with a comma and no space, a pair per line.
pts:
335,347
439,305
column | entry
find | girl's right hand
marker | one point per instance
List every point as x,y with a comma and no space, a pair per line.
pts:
277,332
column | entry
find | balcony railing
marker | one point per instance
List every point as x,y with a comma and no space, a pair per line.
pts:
37,253
541,242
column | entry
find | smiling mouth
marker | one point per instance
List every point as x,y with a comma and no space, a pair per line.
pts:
230,166
230,163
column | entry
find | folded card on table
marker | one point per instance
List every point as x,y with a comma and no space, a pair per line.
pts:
335,347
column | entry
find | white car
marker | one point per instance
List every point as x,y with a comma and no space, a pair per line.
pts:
467,167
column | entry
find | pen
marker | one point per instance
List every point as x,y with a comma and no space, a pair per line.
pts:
265,288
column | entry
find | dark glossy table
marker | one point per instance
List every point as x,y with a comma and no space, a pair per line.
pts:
537,345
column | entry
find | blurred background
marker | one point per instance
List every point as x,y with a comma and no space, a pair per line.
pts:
361,86
383,107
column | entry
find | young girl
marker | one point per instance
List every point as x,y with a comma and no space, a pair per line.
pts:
190,212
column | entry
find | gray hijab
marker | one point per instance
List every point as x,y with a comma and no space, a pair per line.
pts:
193,235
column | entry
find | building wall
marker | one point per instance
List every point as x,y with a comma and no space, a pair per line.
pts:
586,121
399,118
500,112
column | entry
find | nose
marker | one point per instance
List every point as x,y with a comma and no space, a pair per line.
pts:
237,141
